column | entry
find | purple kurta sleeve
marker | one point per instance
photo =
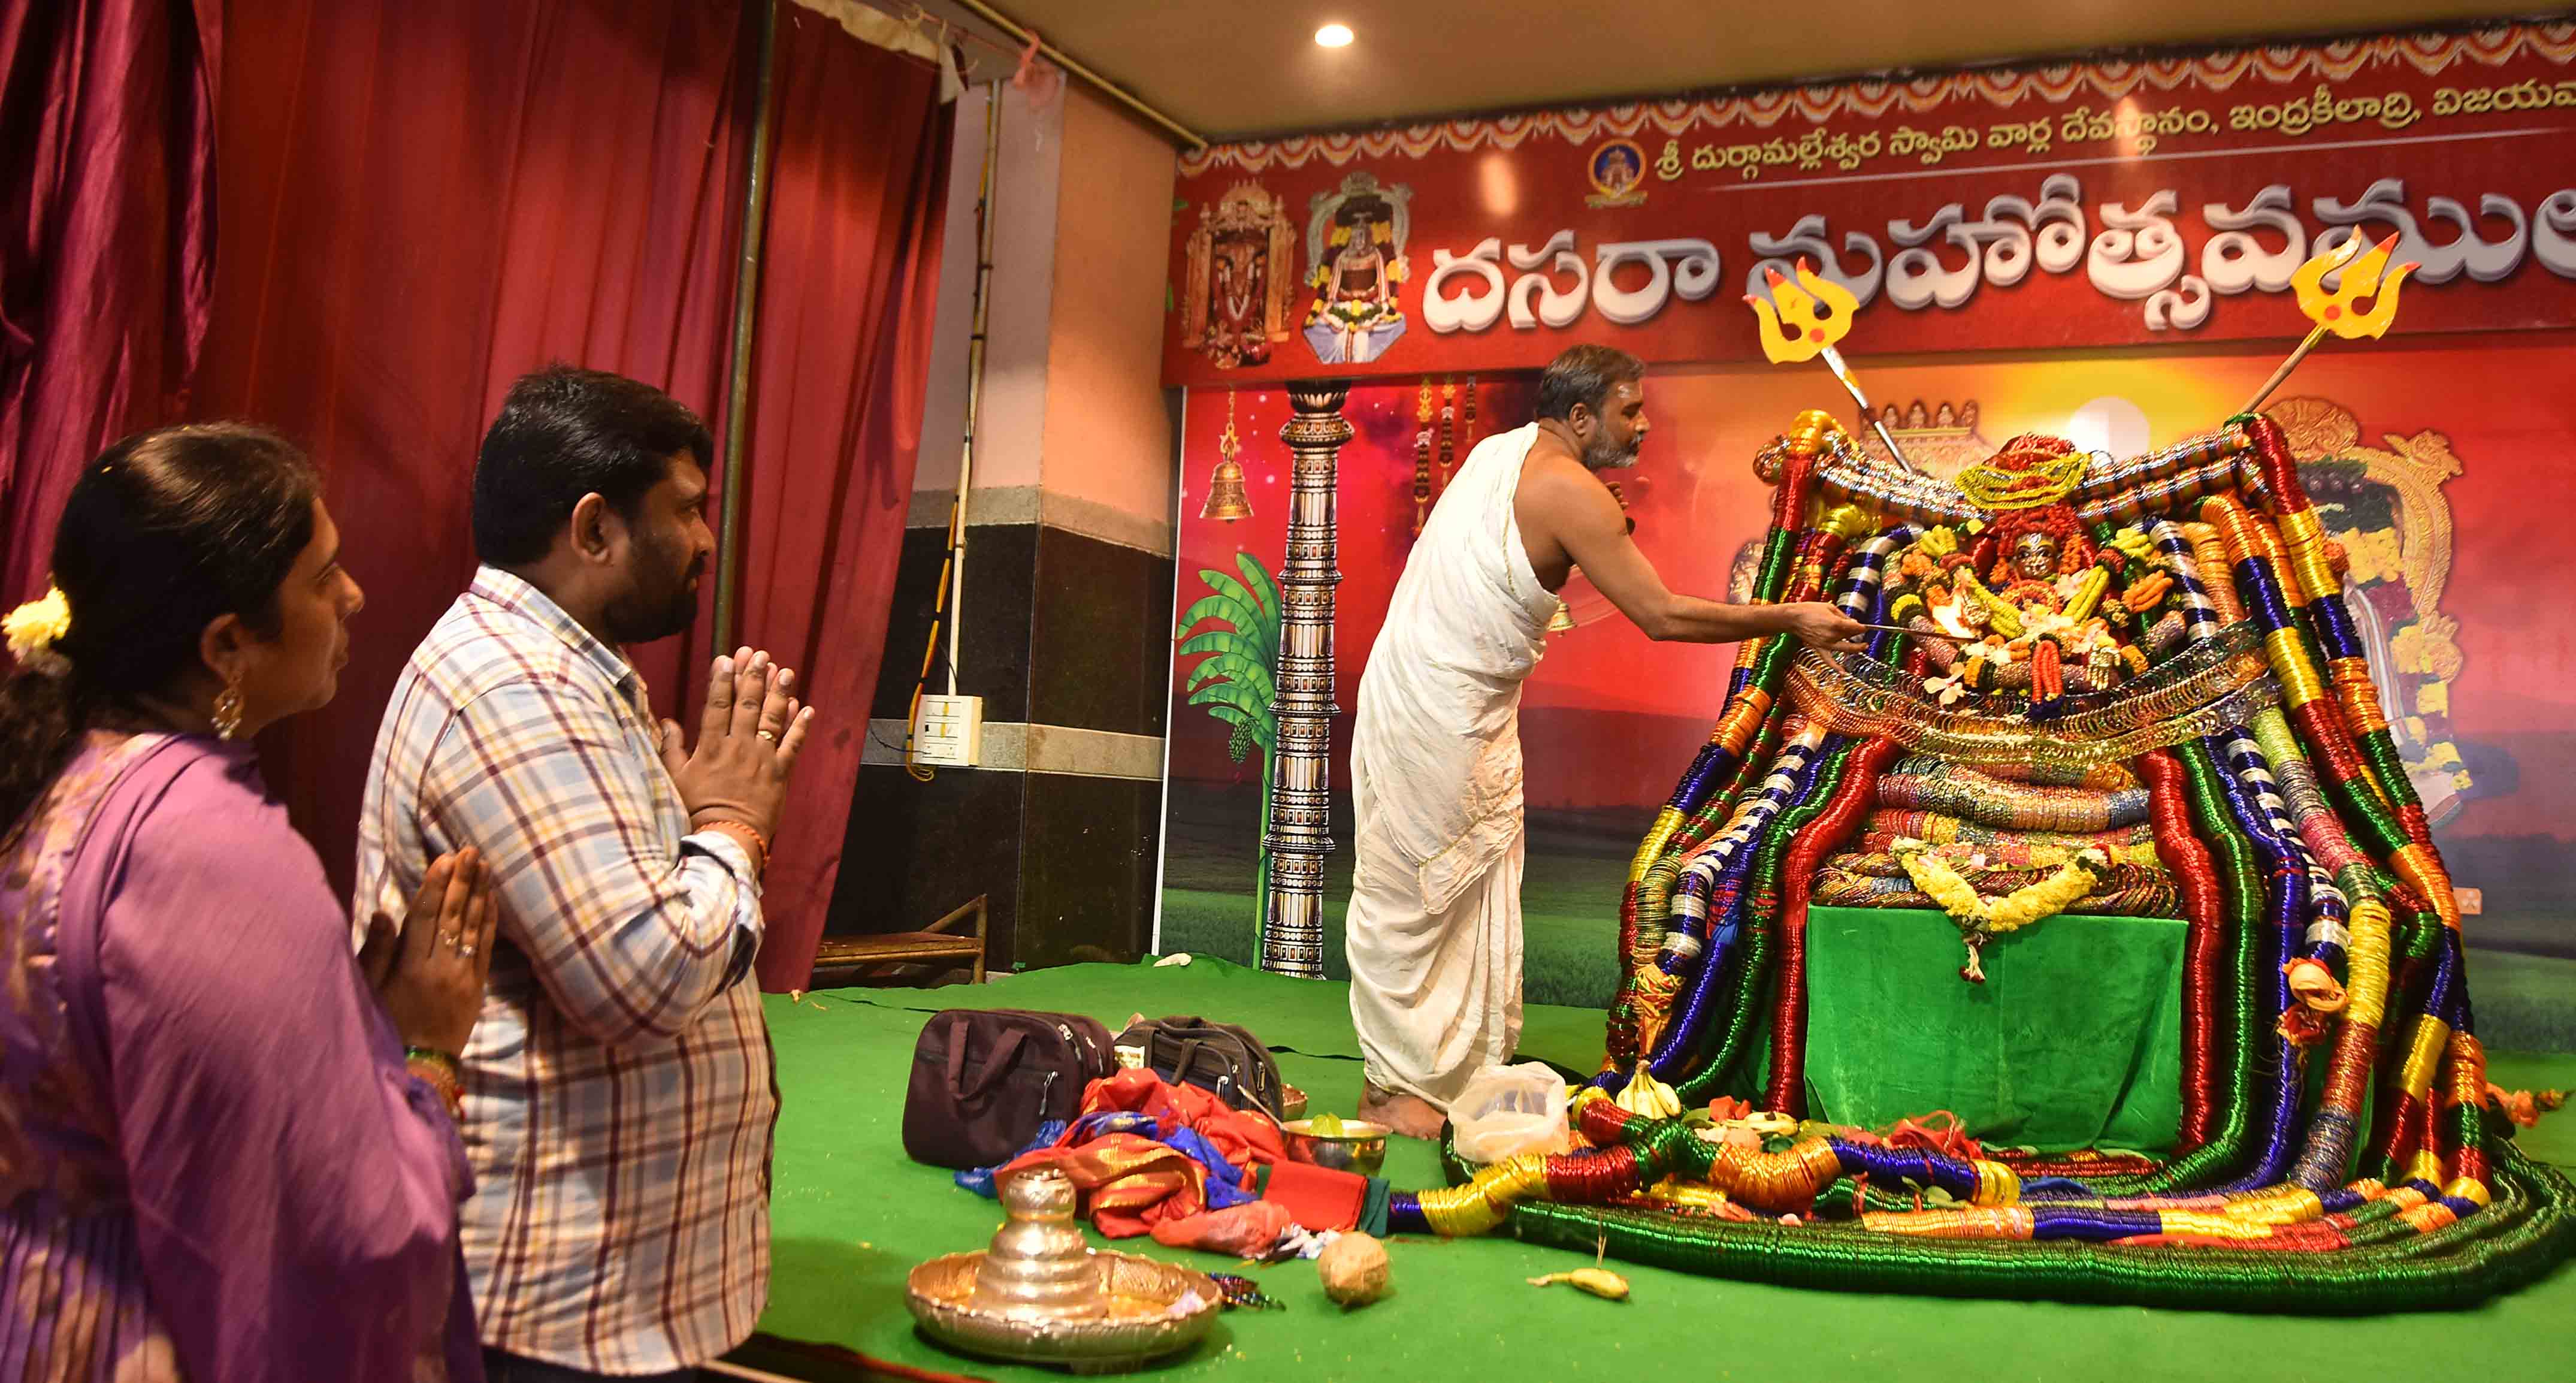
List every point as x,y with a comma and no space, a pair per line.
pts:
295,1189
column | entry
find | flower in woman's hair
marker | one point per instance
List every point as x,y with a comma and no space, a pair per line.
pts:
34,628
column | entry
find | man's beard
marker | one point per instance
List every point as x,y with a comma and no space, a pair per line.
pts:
660,602
1602,454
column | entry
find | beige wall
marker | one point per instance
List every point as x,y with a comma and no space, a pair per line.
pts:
943,403
1108,436
1012,418
1073,425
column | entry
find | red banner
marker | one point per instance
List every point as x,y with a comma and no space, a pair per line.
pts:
2111,204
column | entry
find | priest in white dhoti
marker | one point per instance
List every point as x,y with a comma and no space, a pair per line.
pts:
1434,930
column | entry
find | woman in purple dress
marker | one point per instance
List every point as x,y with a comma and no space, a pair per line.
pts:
226,1152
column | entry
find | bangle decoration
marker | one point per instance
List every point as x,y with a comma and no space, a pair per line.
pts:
2144,697
441,1073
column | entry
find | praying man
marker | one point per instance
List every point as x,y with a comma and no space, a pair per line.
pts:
1434,932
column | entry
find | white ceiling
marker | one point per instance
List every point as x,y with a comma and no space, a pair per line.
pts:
1232,70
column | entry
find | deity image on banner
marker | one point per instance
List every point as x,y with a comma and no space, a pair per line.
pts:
2385,509
1616,168
1241,280
1355,240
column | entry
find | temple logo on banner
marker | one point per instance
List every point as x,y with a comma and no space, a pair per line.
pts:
1355,238
1616,168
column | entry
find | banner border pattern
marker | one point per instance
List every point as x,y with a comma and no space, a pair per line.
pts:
2106,79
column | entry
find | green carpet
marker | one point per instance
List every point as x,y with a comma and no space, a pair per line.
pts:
851,1215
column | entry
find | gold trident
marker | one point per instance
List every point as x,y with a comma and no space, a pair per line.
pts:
1802,321
1793,329
2336,312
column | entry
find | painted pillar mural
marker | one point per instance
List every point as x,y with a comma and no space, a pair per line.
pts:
1299,808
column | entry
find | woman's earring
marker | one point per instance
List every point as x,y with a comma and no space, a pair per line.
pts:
228,712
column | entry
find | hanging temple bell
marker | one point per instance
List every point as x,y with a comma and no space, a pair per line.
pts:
1227,500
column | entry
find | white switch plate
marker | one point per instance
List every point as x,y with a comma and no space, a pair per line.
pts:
949,730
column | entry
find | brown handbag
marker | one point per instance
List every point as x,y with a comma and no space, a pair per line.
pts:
1222,1058
984,1080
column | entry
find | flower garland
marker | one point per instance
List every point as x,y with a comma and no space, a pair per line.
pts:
2130,892
1422,460
1981,918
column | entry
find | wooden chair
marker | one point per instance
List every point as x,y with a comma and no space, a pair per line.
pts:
867,957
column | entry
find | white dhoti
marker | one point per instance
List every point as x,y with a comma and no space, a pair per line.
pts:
1434,929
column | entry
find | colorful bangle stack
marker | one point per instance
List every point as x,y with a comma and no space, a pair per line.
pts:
2239,773
440,1072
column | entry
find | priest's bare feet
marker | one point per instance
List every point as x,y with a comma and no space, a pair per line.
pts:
1410,1115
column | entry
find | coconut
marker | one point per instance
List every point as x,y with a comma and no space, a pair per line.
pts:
1354,1269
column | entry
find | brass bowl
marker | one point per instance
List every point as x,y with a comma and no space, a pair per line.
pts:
1153,1309
1360,1146
1292,1102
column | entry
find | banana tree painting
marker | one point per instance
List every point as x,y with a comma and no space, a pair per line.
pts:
1237,630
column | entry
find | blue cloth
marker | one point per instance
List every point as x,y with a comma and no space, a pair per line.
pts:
1225,1187
1104,1122
980,1179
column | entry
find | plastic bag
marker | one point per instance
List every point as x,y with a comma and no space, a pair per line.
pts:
1509,1110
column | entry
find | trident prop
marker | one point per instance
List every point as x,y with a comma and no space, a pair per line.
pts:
1802,321
2334,312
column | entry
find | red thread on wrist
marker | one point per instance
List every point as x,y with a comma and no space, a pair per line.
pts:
749,837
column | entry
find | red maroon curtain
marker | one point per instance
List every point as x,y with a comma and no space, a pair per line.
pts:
418,204
421,202
848,288
106,149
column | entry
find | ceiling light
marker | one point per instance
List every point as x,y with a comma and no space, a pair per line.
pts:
1334,36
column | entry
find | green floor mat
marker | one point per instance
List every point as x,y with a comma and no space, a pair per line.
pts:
851,1215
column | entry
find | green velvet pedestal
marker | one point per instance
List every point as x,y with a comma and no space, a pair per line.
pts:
2073,1040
